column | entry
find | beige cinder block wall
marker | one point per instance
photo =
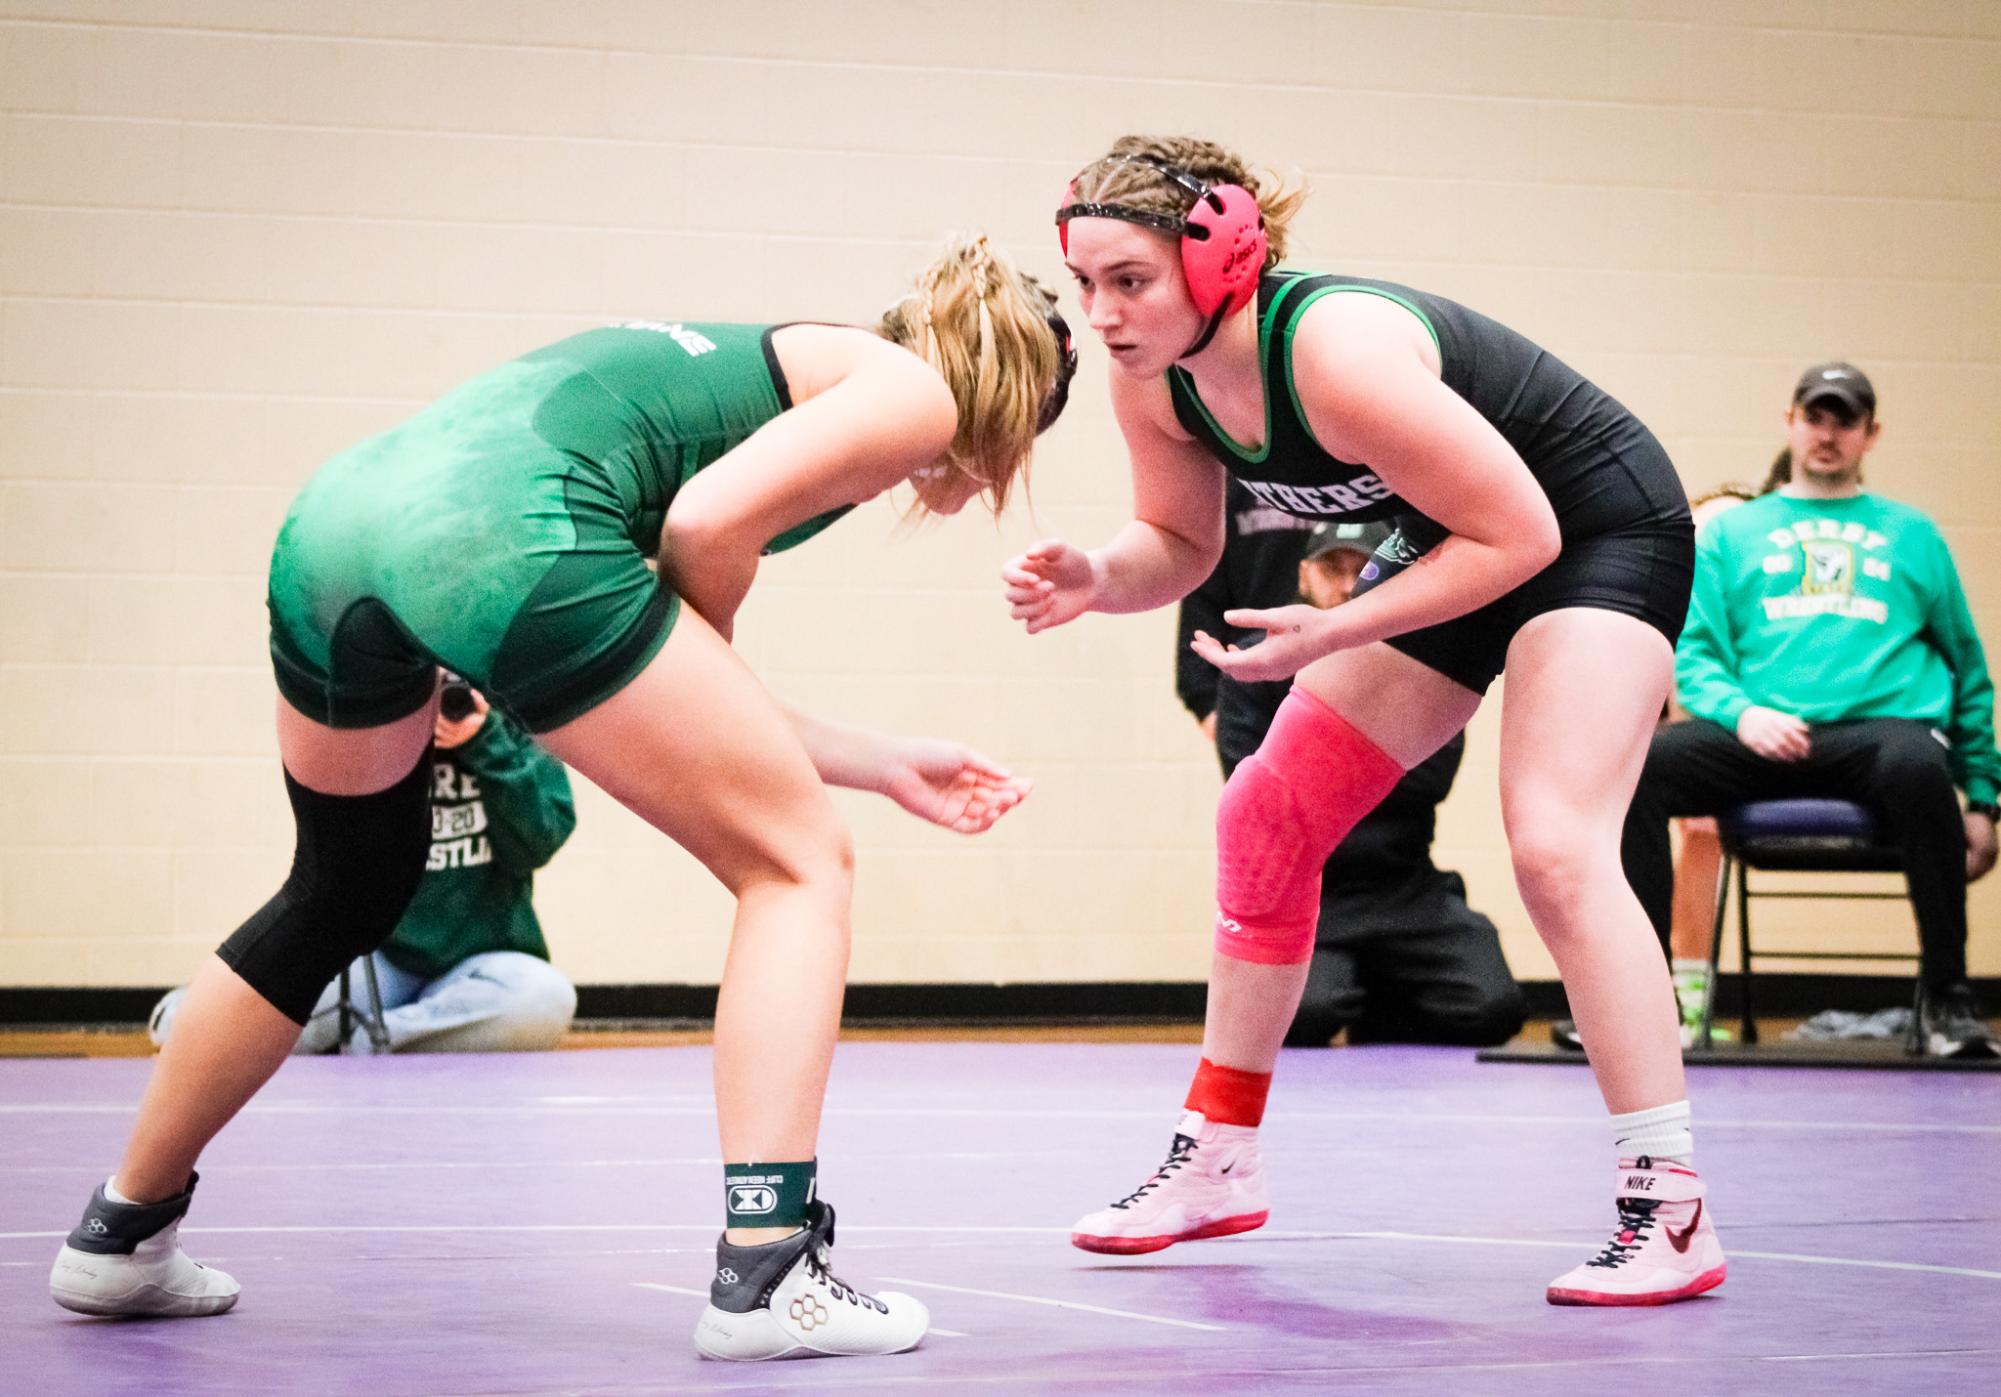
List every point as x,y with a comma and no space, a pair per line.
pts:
235,237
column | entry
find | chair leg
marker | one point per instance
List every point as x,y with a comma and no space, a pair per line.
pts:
345,1002
371,1018
1914,1039
1705,1037
1749,1029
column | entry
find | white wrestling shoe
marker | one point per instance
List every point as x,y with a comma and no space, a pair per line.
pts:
782,1299
126,1259
1212,1185
1665,1249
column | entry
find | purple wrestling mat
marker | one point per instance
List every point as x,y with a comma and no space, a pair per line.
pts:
543,1224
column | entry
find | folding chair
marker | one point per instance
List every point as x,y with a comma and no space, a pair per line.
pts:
1793,836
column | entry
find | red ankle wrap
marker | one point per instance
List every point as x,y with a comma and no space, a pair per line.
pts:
1228,1095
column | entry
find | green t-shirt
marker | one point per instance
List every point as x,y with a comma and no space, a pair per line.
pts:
500,808
1833,610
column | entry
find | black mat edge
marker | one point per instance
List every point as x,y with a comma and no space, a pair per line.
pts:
1864,1056
1151,1001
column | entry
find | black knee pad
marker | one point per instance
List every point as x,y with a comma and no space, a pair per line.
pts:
357,866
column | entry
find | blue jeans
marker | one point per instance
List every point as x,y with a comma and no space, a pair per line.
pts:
498,1001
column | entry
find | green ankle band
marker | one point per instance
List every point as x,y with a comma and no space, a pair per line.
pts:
768,1195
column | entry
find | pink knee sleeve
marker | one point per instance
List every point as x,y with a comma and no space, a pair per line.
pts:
1281,815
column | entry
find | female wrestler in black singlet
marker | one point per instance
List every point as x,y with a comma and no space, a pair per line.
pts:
1540,528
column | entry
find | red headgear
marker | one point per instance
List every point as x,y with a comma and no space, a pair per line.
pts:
1222,239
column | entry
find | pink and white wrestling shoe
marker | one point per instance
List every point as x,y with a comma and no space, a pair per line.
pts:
1212,1185
1665,1249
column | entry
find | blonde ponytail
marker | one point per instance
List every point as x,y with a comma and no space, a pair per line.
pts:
985,328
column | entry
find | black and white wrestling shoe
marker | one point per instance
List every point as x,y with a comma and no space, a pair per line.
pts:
782,1299
126,1259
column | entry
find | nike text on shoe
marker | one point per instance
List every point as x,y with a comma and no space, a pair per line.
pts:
1212,1185
782,1299
1950,1025
1665,1249
126,1259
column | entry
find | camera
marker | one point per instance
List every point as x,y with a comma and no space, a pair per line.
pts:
455,700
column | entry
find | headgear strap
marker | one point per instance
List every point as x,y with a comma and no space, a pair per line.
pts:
1126,213
1165,222
1066,369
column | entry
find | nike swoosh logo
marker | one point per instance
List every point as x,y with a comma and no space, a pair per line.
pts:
1227,1167
1680,1241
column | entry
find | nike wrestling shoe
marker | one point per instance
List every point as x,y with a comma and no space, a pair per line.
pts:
1212,1185
1665,1249
126,1259
782,1299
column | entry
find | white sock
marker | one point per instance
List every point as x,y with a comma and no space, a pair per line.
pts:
1661,1132
112,1195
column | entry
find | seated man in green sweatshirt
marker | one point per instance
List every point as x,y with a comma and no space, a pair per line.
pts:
1829,652
466,970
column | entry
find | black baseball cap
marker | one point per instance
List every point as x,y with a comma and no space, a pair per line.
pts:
1350,538
1843,382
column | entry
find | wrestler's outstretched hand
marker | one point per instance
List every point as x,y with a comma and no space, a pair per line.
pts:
950,784
1295,636
1051,583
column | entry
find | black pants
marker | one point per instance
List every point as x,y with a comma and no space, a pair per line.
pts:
1894,766
1408,964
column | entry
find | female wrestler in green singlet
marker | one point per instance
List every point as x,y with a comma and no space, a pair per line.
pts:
504,533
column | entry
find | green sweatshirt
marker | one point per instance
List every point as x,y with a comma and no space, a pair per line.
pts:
1832,610
500,808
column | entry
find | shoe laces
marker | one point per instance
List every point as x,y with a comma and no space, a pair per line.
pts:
1636,1215
819,1265
1178,1154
